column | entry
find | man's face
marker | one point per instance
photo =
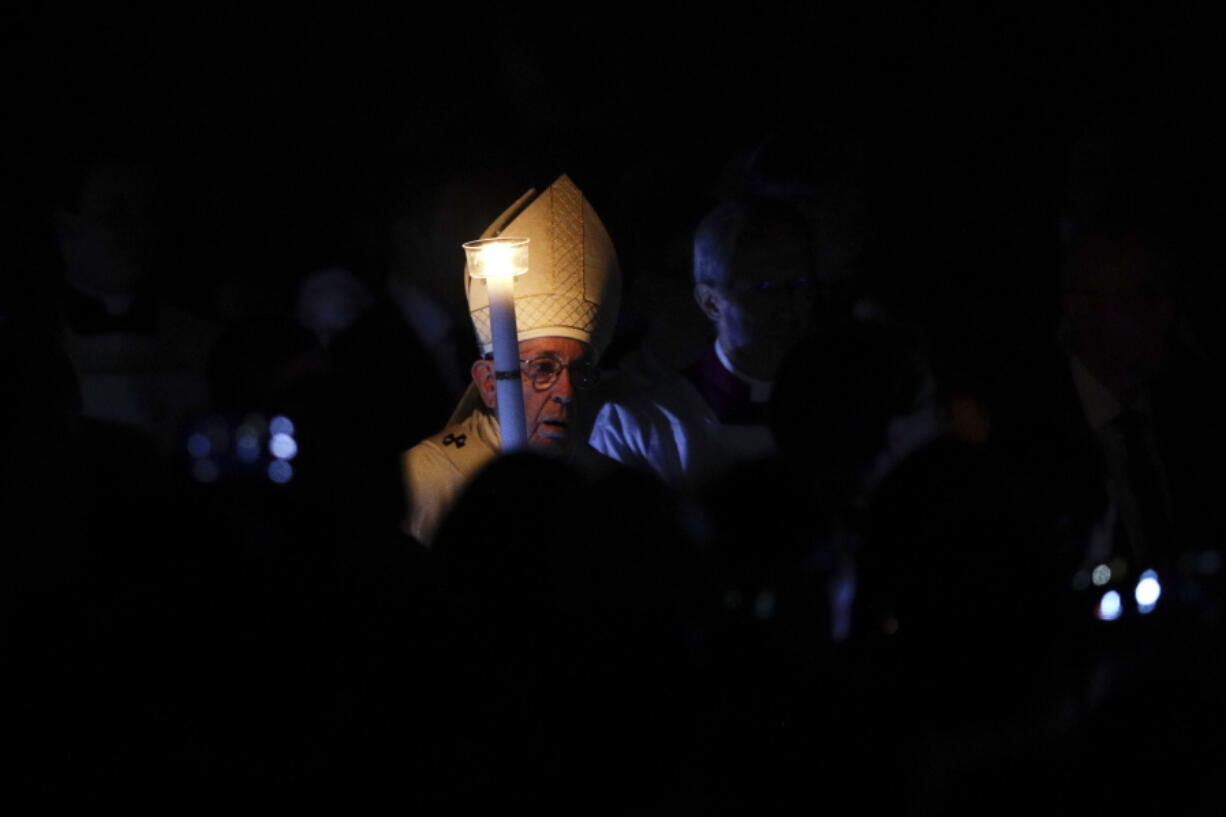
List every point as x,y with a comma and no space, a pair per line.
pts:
549,411
766,306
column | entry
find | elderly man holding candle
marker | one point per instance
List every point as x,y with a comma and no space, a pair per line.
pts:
564,290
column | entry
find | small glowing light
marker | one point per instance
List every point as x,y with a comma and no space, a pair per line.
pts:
248,444
1109,607
280,471
889,626
764,605
283,446
281,425
198,445
205,471
1101,575
1148,590
497,259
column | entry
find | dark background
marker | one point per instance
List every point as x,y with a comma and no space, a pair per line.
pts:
290,137
289,142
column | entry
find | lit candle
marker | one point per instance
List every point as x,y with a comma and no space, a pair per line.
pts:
499,261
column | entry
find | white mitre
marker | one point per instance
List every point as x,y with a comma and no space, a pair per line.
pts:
573,285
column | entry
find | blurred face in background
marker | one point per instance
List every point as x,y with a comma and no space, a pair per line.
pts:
1120,312
108,240
765,306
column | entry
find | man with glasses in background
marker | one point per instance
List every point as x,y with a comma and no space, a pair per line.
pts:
754,279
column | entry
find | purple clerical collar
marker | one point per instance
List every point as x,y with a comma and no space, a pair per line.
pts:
730,395
759,390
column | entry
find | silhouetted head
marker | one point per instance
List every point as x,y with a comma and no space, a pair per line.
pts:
1119,309
851,401
107,227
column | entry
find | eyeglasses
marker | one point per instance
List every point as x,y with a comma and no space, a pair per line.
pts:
544,370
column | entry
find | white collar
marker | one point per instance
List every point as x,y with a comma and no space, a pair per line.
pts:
759,390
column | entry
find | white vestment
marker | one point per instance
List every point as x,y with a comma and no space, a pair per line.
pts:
663,422
438,468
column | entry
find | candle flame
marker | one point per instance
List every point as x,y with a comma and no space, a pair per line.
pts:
502,257
496,259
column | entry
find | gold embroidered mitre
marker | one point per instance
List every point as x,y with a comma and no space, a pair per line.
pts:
573,285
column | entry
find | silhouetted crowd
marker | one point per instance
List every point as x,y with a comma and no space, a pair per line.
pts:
976,568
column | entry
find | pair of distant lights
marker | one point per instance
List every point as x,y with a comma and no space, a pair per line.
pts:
1146,593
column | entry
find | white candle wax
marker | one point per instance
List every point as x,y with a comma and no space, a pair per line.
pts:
506,362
